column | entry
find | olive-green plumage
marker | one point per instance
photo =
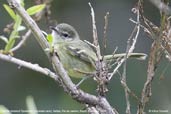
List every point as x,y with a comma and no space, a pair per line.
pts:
77,57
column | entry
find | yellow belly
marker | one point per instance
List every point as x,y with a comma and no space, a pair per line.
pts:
75,66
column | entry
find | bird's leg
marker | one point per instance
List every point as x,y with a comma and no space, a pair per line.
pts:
90,74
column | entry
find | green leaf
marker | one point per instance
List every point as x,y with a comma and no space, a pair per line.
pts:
14,34
10,44
3,38
10,11
31,105
4,110
49,38
35,9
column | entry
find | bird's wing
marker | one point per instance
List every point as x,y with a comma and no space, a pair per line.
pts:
82,51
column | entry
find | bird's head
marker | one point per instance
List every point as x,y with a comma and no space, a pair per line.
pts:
64,32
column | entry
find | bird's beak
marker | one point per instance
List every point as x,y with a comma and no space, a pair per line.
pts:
54,29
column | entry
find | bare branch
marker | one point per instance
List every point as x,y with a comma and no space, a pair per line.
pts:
130,48
101,68
90,99
22,42
92,45
34,67
95,37
105,31
154,58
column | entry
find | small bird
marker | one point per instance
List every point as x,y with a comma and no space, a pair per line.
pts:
77,57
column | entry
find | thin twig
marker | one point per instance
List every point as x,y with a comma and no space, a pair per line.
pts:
130,48
124,80
154,59
92,45
101,68
122,60
22,42
137,30
105,31
137,33
95,37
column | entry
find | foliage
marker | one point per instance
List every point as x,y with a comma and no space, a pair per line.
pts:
17,25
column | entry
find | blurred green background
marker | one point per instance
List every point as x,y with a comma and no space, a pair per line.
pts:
17,82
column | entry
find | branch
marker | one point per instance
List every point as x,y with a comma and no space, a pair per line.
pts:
101,67
132,45
95,37
130,48
90,99
105,31
22,42
34,67
154,60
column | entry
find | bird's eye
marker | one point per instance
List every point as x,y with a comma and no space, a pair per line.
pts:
65,35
